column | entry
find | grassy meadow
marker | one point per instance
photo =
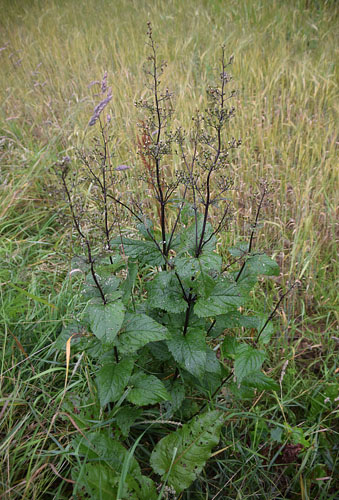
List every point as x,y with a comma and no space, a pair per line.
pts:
285,72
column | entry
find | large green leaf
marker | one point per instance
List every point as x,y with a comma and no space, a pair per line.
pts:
247,361
192,445
106,319
112,380
146,252
137,331
147,390
189,351
224,298
164,292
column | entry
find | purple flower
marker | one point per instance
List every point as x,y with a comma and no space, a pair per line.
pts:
104,83
99,108
122,167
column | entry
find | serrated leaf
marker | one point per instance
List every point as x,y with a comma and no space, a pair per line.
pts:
246,282
146,252
112,380
164,292
258,322
106,320
225,321
126,417
225,297
109,286
72,330
177,392
137,331
147,390
193,444
189,351
262,264
247,361
188,237
79,263
159,350
146,229
239,251
101,446
100,476
260,381
98,481
189,267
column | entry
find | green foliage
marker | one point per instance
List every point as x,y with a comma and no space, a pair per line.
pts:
191,446
155,303
289,91
105,320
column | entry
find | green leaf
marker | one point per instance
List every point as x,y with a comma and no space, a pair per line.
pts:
262,264
80,263
127,286
258,322
137,331
147,390
100,476
159,351
189,351
260,381
186,241
247,361
276,434
177,392
101,446
199,273
126,417
146,252
212,364
239,251
164,292
106,320
193,444
189,267
224,298
225,321
246,282
99,481
112,380
230,347
146,229
109,286
74,328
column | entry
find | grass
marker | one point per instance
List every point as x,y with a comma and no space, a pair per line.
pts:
286,75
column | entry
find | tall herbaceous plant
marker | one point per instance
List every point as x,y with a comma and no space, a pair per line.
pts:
164,316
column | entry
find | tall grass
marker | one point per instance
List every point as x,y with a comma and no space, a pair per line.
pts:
286,76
